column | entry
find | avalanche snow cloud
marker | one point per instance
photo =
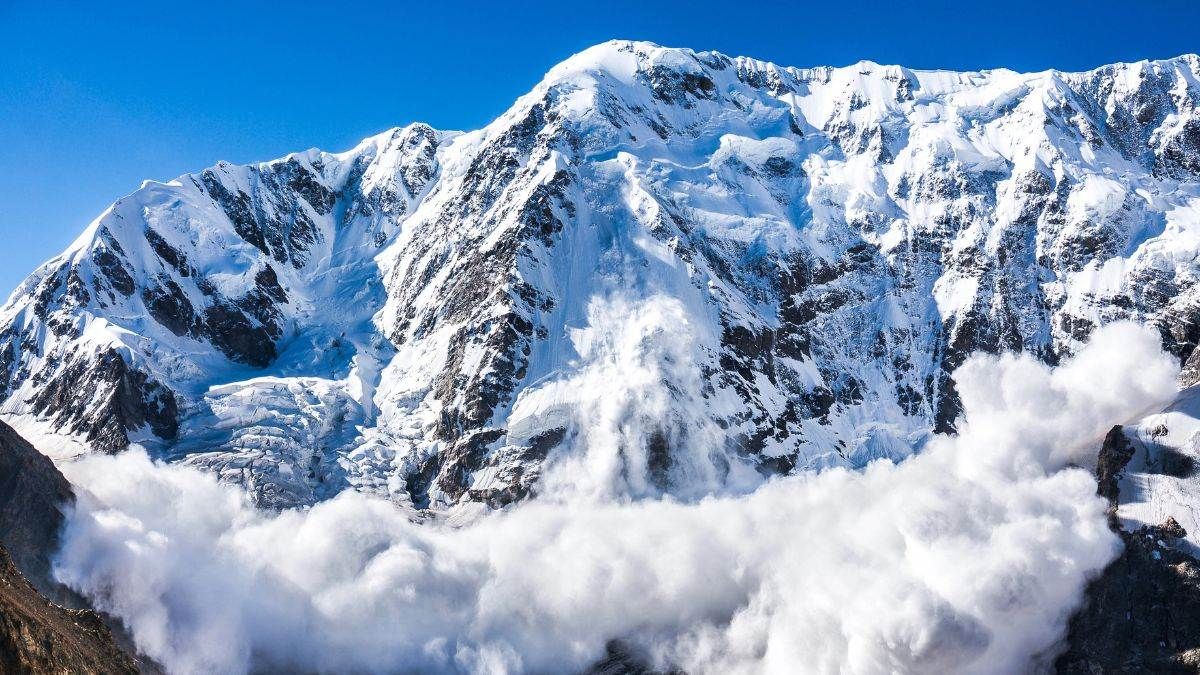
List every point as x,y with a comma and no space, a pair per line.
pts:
967,557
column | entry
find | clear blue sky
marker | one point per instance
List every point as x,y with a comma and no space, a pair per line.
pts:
96,96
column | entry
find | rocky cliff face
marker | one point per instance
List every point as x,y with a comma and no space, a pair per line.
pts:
1143,614
33,497
36,634
809,253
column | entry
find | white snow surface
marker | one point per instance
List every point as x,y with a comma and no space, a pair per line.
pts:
827,244
1161,480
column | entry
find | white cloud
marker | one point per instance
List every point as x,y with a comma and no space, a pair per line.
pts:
967,558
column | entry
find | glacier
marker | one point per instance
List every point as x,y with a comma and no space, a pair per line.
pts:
749,270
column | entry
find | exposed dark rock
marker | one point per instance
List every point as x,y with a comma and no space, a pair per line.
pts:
168,254
1114,455
33,496
506,348
46,290
37,636
817,402
519,480
77,294
1180,330
417,173
621,658
245,330
658,458
114,269
458,462
677,87
746,352
237,336
238,209
1190,374
1179,156
418,482
1143,613
103,397
169,306
304,184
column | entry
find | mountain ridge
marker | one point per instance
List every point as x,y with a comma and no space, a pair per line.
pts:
407,317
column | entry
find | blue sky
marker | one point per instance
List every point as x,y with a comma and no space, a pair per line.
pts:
96,97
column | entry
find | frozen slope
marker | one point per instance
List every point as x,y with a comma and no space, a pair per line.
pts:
800,255
1160,479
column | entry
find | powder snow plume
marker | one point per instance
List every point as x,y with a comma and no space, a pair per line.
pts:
967,557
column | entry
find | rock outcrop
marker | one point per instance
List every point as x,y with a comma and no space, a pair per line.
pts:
1142,614
38,635
33,497
407,318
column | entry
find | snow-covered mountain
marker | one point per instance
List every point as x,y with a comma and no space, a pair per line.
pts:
801,256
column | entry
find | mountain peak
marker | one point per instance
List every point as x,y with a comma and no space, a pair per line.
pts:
620,60
412,317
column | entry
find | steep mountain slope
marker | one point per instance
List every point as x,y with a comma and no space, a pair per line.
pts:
34,497
36,635
800,255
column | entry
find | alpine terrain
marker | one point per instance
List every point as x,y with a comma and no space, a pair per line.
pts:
748,269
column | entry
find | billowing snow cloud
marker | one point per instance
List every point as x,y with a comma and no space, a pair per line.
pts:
635,390
968,557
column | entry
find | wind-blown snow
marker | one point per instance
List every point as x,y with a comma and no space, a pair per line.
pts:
617,396
967,557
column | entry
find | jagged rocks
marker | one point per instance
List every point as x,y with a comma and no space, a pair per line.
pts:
37,636
835,255
102,397
1143,614
170,307
1114,455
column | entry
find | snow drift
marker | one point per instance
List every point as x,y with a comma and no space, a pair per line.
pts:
967,557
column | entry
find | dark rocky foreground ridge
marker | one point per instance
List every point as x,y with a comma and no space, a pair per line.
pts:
38,635
33,496
1143,613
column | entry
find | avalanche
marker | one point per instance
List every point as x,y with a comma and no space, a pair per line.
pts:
699,360
967,557
413,318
